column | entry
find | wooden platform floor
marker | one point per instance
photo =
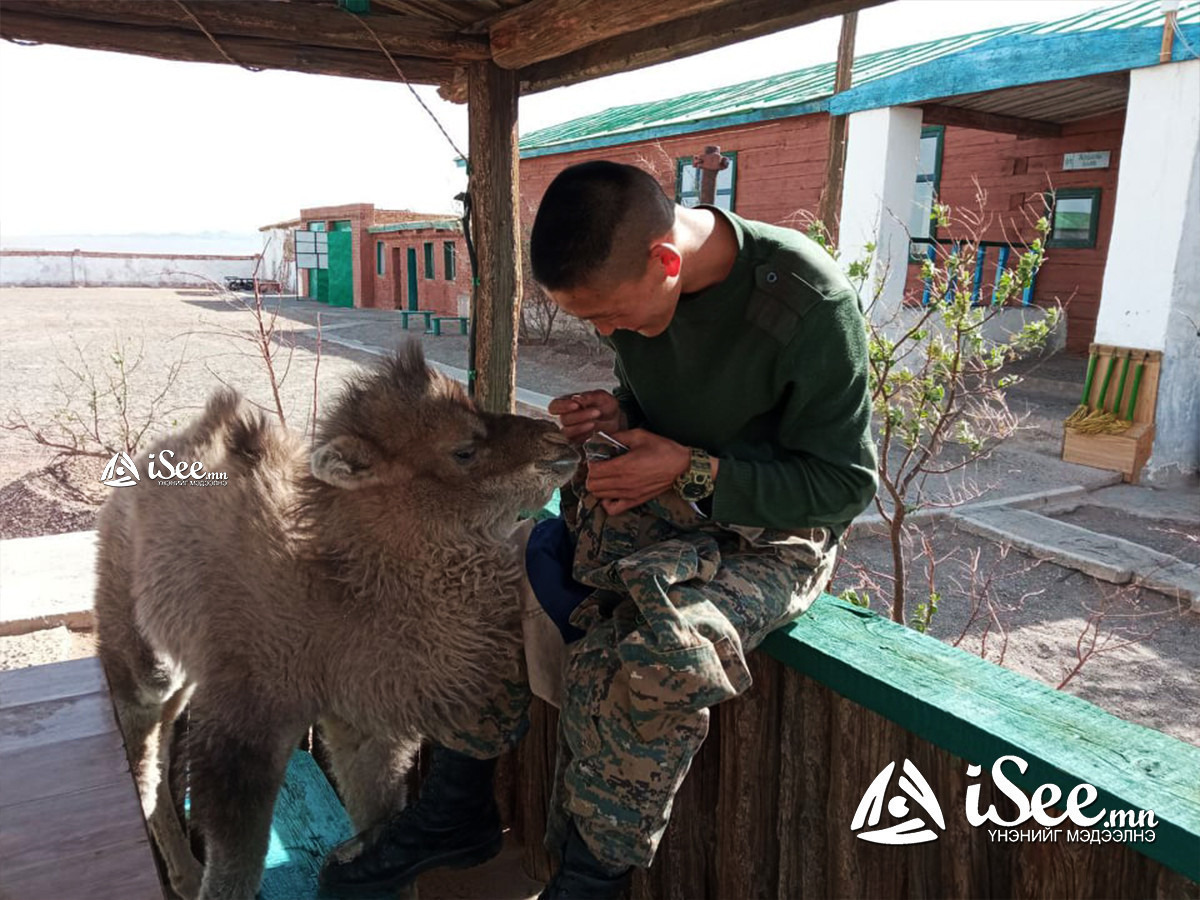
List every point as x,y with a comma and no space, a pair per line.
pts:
70,822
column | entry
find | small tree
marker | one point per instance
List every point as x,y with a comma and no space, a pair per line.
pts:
937,381
106,402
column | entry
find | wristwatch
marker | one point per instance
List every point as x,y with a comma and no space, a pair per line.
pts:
696,482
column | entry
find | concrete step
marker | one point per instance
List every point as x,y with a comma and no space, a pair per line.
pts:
1102,556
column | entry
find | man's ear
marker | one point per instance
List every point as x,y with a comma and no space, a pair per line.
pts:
667,255
346,462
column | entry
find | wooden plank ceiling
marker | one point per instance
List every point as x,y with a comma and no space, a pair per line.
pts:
549,42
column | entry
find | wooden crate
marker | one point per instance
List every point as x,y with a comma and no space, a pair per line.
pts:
1128,452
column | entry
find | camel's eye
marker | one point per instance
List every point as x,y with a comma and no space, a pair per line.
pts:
464,454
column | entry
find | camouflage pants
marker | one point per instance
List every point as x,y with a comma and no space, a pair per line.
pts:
678,603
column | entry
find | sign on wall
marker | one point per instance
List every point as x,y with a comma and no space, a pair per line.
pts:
312,249
1092,159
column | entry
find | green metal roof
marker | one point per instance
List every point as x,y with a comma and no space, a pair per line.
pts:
808,90
438,224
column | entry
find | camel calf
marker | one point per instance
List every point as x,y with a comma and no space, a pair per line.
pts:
369,584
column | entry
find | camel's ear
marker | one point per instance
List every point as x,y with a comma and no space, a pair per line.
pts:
346,462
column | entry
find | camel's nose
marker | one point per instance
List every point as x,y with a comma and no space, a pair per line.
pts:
566,455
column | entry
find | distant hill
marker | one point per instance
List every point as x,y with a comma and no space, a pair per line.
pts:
218,243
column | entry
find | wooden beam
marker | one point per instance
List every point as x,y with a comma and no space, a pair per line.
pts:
193,46
831,192
495,223
544,29
732,22
305,24
938,114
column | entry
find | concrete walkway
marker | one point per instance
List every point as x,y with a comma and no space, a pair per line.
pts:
47,581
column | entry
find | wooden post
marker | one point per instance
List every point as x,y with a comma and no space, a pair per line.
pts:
710,162
496,300
831,195
1168,36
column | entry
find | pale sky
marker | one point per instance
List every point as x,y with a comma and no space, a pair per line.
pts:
107,143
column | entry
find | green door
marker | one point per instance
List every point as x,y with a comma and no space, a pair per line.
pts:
412,278
341,269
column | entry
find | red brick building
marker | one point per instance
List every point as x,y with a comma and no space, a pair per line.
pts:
386,259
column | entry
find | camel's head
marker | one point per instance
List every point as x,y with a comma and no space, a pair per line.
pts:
409,439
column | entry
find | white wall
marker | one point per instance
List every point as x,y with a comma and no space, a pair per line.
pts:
1151,227
877,196
279,258
50,269
1150,298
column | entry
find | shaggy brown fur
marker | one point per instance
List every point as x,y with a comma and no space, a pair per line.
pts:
370,584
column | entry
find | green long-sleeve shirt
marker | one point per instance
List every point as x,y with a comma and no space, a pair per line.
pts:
767,371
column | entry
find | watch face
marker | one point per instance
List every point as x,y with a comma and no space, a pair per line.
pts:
694,491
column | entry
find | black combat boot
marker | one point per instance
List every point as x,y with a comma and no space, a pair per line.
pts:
583,877
454,823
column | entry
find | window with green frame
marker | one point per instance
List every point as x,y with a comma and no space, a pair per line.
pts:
429,259
1074,215
448,271
929,177
687,183
379,257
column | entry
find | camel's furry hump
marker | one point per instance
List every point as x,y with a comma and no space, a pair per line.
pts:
236,535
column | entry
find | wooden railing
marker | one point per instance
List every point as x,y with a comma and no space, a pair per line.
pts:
839,695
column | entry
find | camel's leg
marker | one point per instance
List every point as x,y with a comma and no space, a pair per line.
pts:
148,693
370,771
235,776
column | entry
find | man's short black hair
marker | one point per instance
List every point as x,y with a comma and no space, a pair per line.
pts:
597,219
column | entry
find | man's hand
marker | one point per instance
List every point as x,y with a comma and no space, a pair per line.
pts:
649,468
582,415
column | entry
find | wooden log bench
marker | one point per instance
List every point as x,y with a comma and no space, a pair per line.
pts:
439,321
406,314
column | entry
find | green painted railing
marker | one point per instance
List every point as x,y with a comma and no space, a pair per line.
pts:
980,711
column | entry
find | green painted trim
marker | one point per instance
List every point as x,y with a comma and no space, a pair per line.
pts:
979,711
379,258
1050,198
918,248
437,224
428,245
449,269
411,259
768,114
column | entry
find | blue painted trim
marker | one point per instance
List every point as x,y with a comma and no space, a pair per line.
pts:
1001,263
977,281
441,225
768,114
1027,294
955,249
931,255
1016,60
